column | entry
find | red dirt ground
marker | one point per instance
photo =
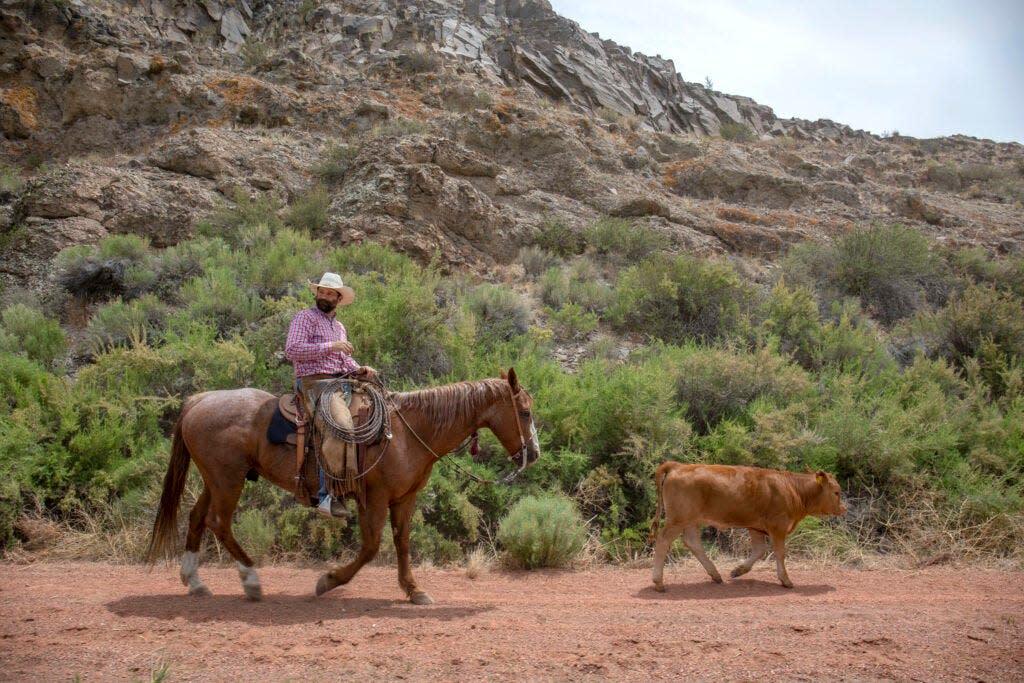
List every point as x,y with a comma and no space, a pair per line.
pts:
112,622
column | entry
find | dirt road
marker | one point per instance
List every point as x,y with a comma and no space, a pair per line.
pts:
105,622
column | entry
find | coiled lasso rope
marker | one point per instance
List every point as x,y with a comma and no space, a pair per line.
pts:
364,433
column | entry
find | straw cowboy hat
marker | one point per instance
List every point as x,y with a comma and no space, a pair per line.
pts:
333,281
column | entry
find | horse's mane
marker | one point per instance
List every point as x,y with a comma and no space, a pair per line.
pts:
452,403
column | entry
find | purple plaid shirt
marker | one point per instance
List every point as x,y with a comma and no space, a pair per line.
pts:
309,344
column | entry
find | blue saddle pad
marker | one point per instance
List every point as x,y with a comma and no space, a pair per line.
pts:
279,428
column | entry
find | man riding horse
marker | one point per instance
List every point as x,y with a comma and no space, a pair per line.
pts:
319,349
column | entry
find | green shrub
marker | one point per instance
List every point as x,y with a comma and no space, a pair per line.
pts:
419,62
977,265
309,212
121,323
399,128
335,162
127,247
118,266
891,269
718,384
983,172
578,285
254,53
571,321
791,315
980,324
852,343
737,132
536,260
24,330
397,323
229,221
618,240
557,237
255,531
219,299
676,299
464,98
626,418
284,265
501,313
187,362
542,532
946,175
10,180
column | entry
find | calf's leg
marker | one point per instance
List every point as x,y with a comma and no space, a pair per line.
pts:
661,546
691,536
758,549
779,547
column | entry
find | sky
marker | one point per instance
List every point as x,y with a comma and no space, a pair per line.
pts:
924,68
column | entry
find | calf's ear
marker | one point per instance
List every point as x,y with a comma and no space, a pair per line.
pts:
821,477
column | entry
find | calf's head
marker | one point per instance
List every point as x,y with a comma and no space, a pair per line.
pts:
829,500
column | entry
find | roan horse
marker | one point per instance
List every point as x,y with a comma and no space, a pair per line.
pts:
224,434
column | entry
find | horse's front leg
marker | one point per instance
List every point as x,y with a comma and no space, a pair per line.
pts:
401,523
371,523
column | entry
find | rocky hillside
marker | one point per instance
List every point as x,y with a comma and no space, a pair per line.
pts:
435,126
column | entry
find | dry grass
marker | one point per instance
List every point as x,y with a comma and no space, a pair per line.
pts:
928,535
740,215
480,561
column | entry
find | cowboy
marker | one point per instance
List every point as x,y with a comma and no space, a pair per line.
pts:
318,348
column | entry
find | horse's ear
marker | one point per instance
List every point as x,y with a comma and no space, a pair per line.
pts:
513,381
504,375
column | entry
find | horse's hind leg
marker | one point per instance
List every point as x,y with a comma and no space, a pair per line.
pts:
401,519
371,524
190,561
218,518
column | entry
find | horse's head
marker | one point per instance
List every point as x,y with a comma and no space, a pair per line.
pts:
512,423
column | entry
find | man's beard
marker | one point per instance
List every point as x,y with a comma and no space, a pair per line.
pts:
326,306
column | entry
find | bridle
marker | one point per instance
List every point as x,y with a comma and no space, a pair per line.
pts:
522,454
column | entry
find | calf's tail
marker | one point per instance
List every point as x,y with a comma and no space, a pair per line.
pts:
659,510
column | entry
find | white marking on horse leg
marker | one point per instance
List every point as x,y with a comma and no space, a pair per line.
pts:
190,574
250,581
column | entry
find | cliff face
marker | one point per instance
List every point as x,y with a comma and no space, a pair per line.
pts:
450,127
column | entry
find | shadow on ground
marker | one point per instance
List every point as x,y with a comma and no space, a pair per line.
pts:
280,610
731,590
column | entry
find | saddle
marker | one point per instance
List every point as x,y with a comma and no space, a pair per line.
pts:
343,463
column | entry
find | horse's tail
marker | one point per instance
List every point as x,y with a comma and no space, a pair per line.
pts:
163,542
659,510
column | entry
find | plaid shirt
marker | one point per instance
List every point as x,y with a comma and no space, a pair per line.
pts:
309,344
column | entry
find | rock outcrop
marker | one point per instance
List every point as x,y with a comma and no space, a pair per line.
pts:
455,128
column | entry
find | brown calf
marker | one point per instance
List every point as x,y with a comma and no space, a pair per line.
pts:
766,502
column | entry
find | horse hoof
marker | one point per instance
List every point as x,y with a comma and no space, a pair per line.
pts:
200,591
421,598
325,584
660,587
254,593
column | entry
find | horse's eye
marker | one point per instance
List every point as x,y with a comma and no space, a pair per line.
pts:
524,413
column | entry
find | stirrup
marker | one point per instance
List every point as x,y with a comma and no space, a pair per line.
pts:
329,507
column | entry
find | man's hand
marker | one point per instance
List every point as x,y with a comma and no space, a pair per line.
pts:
368,374
343,346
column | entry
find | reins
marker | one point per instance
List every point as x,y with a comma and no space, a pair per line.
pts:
523,450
